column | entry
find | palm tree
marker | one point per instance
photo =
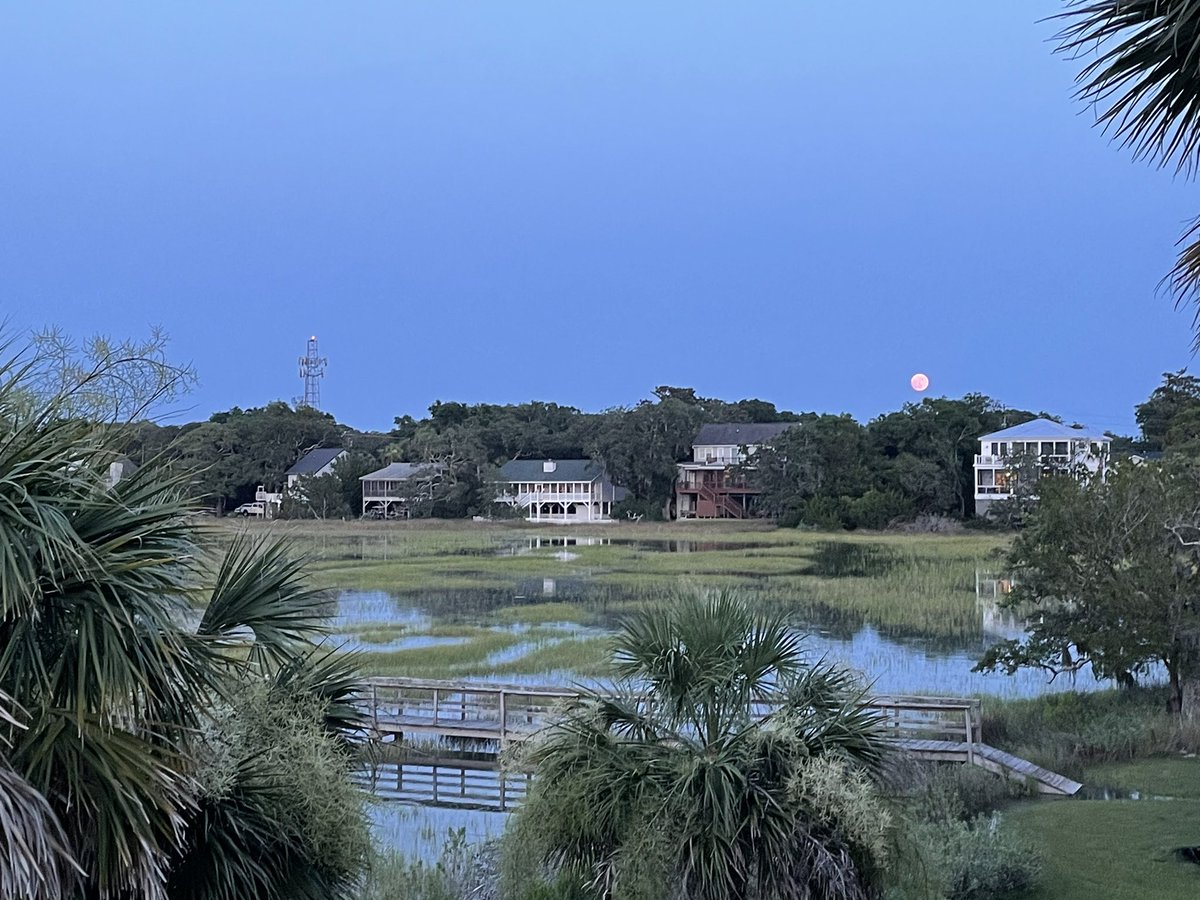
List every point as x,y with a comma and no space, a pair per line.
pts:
109,686
723,766
1144,80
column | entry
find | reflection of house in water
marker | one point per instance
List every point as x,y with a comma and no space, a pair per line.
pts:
537,543
990,589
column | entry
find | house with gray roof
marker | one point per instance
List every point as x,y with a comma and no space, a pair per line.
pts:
563,491
313,463
390,492
1031,450
709,486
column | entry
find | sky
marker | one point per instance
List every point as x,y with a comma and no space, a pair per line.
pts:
576,202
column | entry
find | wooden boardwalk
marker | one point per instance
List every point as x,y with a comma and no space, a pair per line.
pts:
939,729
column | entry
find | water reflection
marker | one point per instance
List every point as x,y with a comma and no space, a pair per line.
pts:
991,589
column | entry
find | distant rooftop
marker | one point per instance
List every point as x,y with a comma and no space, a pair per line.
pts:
741,433
314,461
518,470
1045,429
398,471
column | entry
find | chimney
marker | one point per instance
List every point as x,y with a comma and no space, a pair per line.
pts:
549,465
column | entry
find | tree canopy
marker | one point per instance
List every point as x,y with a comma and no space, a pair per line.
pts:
1106,573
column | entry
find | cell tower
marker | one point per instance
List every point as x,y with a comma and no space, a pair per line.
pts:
312,370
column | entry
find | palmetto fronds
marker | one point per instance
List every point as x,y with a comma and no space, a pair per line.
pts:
1143,78
687,778
107,688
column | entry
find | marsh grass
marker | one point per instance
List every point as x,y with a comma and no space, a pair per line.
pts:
1072,732
442,661
542,613
479,580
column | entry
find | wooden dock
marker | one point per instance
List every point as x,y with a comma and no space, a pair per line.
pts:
941,729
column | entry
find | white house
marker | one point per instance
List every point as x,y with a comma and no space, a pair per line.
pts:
1049,445
390,491
314,463
705,489
559,490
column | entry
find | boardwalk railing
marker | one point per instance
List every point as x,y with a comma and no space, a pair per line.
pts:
511,712
943,729
450,782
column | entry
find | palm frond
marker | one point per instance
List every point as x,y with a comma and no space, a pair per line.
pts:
1144,81
121,797
1145,77
332,678
262,587
35,858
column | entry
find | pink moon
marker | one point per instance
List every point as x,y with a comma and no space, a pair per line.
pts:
919,382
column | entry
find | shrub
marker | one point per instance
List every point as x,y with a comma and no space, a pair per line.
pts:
975,860
877,509
949,793
457,874
274,785
1069,730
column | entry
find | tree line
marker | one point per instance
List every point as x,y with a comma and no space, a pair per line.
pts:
826,471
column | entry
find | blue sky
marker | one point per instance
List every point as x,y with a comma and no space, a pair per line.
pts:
503,201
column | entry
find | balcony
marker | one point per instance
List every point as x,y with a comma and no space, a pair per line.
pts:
1005,462
991,492
551,497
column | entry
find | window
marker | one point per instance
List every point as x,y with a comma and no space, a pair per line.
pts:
987,477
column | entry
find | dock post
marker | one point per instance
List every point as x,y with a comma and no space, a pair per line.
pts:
375,710
436,700
970,736
503,720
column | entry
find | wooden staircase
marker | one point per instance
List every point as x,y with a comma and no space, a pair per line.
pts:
724,505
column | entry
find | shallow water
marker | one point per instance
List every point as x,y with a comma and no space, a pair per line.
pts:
894,663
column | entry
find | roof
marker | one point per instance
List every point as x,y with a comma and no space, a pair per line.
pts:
314,461
398,471
741,433
564,470
1045,428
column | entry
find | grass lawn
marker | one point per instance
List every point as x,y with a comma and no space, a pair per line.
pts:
1179,778
1121,849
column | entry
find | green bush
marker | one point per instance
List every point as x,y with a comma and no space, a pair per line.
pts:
455,875
952,792
1067,731
975,860
877,509
564,887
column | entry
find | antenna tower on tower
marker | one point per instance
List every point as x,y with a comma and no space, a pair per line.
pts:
312,370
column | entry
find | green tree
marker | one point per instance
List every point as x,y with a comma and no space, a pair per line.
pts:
1107,573
102,379
109,684
640,447
678,788
349,471
1143,81
927,449
822,456
1168,418
315,497
235,451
